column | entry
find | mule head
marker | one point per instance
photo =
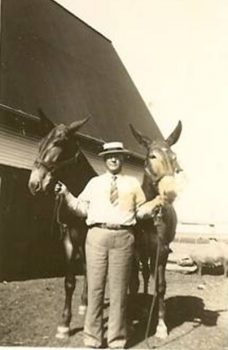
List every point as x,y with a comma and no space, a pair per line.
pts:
58,147
161,162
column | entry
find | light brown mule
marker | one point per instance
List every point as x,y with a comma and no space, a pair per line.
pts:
156,231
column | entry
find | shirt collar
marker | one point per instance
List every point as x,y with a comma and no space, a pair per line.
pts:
110,175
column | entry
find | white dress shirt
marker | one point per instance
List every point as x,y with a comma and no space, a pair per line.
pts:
94,201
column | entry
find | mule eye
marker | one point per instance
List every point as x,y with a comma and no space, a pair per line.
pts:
60,141
56,143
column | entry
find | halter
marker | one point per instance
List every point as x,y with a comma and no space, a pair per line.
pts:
152,177
51,167
155,179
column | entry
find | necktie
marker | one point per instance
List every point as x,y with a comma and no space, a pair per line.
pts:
114,191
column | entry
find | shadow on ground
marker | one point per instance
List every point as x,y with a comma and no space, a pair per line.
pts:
213,270
179,309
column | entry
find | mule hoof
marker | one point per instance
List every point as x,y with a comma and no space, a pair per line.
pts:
82,310
161,331
62,332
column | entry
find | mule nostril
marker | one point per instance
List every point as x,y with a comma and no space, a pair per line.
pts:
178,170
34,187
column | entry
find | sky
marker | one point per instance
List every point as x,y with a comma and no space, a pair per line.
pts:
176,52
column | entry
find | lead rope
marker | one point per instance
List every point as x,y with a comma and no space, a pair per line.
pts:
56,216
157,220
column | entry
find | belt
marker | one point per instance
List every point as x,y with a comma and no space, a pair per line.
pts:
111,227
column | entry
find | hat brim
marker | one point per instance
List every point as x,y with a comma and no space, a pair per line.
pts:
104,153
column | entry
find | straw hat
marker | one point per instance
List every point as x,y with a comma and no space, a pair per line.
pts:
113,148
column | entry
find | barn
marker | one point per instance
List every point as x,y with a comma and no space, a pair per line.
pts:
52,60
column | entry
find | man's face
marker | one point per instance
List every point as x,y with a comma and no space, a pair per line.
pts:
114,163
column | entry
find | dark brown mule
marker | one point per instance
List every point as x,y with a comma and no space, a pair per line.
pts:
57,150
155,232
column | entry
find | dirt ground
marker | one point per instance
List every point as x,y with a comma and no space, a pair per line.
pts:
197,314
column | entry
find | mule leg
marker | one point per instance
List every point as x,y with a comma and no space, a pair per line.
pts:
84,296
146,275
161,330
70,282
134,280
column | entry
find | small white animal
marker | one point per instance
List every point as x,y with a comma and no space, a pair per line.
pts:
213,254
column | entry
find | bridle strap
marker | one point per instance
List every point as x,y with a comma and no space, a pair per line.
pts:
155,181
55,167
152,178
59,198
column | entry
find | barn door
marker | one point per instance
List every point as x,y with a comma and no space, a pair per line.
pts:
28,246
15,222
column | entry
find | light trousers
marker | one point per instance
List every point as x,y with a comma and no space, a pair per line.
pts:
108,252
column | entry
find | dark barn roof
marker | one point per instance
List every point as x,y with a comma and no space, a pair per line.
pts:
53,60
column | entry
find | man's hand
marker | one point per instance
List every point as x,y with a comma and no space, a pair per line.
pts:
61,189
146,210
78,207
157,201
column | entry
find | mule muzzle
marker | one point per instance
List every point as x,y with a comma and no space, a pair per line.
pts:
41,182
177,168
34,187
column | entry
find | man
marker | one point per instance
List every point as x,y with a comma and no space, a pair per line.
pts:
109,202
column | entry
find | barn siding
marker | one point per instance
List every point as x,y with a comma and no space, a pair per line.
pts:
17,150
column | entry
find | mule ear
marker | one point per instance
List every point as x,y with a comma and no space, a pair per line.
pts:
75,126
174,136
143,140
46,123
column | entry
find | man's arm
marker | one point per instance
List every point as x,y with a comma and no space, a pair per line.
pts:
145,210
78,205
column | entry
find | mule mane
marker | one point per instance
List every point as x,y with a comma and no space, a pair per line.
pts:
56,135
60,138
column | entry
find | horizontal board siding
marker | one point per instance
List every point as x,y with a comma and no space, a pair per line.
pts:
17,150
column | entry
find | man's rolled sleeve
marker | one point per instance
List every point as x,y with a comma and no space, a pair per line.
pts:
77,205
